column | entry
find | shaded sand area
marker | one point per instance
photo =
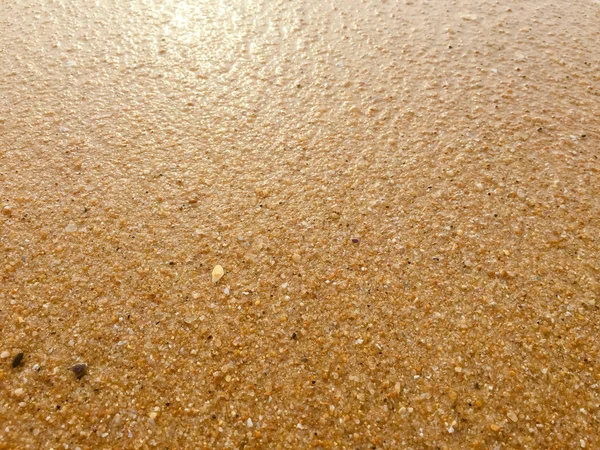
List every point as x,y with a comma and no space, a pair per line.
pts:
403,198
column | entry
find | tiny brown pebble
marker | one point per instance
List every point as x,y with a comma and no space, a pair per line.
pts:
17,359
79,370
355,240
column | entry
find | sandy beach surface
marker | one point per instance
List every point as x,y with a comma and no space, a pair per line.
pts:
299,224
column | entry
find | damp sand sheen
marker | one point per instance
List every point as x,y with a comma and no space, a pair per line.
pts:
300,224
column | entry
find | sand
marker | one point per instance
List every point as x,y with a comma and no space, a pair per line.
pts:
299,224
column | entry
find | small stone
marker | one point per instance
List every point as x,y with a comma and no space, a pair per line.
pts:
153,415
79,370
512,416
71,228
296,258
355,240
7,210
17,360
217,273
5,354
19,392
458,369
249,422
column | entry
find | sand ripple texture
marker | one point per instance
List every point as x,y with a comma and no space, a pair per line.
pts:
299,224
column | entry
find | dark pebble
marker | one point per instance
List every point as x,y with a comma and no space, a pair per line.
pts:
17,359
294,336
79,370
355,240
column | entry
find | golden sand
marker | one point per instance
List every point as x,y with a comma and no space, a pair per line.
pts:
403,199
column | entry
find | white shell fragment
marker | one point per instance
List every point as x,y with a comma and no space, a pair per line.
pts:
217,273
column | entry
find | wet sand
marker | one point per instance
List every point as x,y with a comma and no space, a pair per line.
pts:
404,199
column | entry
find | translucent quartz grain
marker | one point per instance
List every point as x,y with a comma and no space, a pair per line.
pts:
403,198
